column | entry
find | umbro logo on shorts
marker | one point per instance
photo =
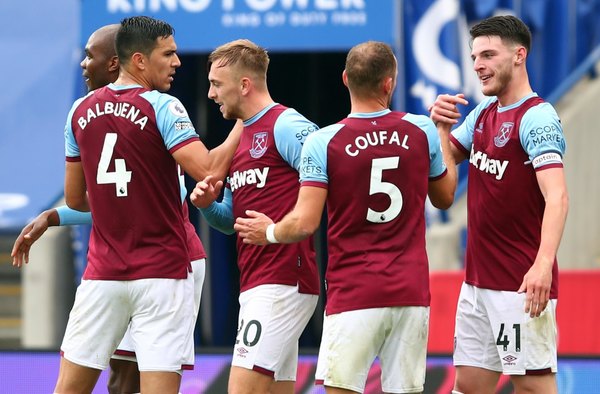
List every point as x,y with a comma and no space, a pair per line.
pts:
509,359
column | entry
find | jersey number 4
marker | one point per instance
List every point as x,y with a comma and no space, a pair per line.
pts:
120,176
379,186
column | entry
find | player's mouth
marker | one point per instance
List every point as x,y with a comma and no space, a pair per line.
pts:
484,78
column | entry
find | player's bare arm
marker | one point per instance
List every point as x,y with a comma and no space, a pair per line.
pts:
75,187
206,192
441,191
199,162
297,225
538,279
31,233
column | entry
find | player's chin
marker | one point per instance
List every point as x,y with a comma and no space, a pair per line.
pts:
165,87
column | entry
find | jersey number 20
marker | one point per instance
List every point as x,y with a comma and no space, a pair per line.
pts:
120,176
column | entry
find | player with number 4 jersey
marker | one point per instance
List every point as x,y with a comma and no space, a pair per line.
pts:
123,144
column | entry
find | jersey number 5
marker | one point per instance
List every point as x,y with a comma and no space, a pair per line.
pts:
120,176
379,186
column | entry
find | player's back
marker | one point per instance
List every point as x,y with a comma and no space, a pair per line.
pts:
377,168
133,188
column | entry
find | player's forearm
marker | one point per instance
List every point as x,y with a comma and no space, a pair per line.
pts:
221,156
219,216
441,193
51,216
293,229
66,216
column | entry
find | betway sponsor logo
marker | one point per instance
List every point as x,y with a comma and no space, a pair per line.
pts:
482,162
253,176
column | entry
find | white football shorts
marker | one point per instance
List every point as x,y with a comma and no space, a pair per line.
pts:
126,351
352,340
159,312
271,320
493,332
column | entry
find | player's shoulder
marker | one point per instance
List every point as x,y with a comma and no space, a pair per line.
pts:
291,115
161,101
543,109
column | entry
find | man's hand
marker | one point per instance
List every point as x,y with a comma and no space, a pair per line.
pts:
445,109
253,229
206,192
30,233
536,283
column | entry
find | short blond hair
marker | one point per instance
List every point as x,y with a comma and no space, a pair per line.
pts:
242,54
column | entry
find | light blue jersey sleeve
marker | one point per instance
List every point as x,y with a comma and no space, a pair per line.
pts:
541,135
464,132
220,214
69,217
436,160
314,154
71,147
290,132
172,119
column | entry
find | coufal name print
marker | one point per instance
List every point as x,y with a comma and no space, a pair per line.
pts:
374,138
122,110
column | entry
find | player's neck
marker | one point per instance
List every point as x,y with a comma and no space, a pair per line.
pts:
125,78
367,105
256,104
518,89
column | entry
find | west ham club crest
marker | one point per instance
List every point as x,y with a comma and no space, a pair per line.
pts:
259,144
503,134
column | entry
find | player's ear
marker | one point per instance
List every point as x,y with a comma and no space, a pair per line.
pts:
113,64
139,60
520,55
245,84
345,78
388,85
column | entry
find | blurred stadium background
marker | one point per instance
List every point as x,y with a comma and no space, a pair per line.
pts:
41,44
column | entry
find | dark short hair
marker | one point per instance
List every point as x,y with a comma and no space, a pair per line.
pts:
510,29
139,34
368,64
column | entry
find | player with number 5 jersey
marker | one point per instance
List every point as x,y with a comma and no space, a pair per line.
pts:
374,169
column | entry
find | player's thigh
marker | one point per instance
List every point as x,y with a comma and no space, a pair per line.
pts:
350,342
271,320
474,340
96,323
248,381
74,378
162,324
525,345
475,380
160,382
533,384
404,351
124,377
